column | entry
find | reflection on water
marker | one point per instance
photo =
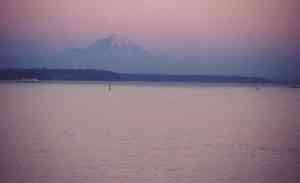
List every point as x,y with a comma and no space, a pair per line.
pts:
85,133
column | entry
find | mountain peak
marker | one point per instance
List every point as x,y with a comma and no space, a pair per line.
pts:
114,41
116,44
118,41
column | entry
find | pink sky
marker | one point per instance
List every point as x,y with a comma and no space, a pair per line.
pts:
157,23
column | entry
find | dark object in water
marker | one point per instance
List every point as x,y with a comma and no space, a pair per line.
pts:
295,86
257,88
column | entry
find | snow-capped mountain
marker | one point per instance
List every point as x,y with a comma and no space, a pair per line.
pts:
117,45
113,41
112,52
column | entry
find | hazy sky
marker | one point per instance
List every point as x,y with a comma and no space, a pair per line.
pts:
185,27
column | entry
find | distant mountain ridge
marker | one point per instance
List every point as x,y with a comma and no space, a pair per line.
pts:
103,75
119,54
112,53
58,74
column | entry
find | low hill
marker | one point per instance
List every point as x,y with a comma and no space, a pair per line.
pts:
58,74
102,75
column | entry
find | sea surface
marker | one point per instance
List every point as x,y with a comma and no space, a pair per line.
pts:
149,133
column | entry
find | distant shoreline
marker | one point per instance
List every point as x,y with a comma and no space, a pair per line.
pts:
147,83
38,75
91,75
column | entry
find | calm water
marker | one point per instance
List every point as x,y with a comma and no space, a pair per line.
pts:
139,133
